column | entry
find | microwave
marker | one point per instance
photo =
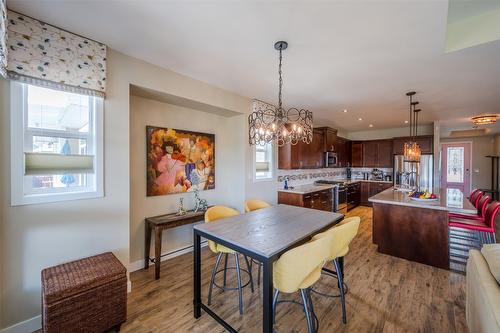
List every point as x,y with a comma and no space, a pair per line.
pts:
331,159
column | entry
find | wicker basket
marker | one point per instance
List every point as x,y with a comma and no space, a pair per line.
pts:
87,295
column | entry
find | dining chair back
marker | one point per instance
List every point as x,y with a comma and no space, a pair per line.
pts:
254,204
216,213
343,234
300,267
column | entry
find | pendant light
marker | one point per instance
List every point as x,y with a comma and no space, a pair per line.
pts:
412,151
278,124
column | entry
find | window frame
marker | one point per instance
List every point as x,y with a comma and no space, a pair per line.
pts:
22,135
269,150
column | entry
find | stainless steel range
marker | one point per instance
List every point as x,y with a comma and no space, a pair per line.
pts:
339,194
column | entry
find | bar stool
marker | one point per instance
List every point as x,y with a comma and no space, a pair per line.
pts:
251,205
475,196
344,233
297,270
485,228
212,214
481,205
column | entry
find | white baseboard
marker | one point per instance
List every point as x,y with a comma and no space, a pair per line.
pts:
26,326
129,286
139,264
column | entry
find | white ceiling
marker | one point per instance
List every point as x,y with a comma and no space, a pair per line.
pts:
358,55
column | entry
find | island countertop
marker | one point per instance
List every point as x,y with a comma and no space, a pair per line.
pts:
450,199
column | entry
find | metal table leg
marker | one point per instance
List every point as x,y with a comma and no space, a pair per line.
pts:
267,305
197,275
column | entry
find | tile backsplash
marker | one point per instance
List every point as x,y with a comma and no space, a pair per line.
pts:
357,173
308,176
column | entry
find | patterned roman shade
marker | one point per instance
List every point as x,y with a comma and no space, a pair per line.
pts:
44,55
3,39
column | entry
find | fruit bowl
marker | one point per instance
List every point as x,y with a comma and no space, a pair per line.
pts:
423,196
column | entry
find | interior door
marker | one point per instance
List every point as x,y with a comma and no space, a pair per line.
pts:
455,166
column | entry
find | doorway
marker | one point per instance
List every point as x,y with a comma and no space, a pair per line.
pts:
455,166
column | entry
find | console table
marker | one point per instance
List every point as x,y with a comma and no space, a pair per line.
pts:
160,223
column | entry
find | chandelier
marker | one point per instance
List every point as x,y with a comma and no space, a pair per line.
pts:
271,123
412,150
484,120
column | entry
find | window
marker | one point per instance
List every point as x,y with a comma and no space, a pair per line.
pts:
263,166
56,145
455,165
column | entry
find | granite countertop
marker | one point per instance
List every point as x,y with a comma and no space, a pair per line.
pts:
308,188
451,200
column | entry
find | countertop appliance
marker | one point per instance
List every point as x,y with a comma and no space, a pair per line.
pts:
377,174
339,195
331,159
411,176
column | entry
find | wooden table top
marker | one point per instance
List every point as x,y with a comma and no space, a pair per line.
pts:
270,231
174,219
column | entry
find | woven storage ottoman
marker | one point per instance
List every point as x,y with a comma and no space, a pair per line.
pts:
87,295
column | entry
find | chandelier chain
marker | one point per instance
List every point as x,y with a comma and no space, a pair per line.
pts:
280,103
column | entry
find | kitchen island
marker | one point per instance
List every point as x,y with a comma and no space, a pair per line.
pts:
414,230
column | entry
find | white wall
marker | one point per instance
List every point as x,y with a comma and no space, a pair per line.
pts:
37,236
230,169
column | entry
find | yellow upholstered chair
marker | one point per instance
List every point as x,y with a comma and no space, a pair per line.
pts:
343,233
213,214
251,205
254,204
297,270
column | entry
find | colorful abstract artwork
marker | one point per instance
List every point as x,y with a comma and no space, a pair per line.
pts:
179,161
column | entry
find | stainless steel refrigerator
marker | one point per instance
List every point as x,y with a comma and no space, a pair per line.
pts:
411,176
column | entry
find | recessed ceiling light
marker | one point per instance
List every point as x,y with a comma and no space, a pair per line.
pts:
371,125
360,119
406,121
345,110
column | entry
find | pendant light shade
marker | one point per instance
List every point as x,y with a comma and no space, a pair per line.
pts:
412,151
268,124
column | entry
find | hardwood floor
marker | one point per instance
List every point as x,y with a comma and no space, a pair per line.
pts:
386,294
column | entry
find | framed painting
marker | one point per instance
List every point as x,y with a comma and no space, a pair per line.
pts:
179,161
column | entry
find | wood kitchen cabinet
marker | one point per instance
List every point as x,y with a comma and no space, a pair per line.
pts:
321,200
329,138
377,153
353,195
369,189
343,149
302,155
356,153
426,143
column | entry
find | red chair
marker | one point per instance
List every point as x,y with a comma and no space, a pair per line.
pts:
484,228
475,196
481,210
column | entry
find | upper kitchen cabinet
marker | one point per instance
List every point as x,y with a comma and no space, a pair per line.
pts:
377,153
343,149
329,138
357,153
426,143
302,155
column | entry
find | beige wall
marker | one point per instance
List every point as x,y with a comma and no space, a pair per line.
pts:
230,168
37,236
481,165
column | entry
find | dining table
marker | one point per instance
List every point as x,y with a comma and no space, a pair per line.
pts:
263,235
